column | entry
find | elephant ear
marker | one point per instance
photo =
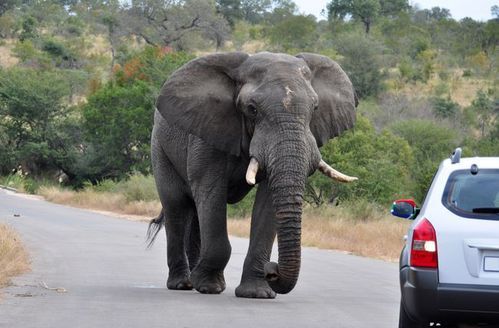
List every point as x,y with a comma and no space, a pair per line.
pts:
337,100
199,99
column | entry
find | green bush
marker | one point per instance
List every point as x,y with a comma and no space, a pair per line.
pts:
244,207
381,161
430,143
362,62
445,108
138,187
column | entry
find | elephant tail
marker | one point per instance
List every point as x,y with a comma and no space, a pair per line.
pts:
154,228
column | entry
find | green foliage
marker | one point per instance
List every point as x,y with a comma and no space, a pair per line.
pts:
294,32
381,161
361,61
156,66
482,107
31,113
230,9
135,187
29,30
366,11
244,207
430,143
117,121
445,107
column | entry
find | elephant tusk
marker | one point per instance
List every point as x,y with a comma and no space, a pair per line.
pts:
251,172
333,174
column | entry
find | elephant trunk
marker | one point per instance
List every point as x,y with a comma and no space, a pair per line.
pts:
287,167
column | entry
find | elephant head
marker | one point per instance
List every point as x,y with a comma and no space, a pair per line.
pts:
275,111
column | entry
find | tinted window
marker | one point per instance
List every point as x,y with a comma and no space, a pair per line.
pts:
473,196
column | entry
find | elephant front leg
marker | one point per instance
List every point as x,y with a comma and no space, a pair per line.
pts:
207,276
253,283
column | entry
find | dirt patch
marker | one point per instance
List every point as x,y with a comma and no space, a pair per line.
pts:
7,59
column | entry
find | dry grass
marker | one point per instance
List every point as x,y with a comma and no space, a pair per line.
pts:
13,256
462,90
104,201
7,59
376,236
361,228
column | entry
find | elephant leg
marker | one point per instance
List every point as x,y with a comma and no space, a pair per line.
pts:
193,242
262,235
178,265
178,210
207,177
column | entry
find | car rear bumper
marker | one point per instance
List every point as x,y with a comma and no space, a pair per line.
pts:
427,300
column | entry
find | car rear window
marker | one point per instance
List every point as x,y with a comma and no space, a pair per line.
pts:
473,195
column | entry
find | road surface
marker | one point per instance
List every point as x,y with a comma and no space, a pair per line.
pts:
109,279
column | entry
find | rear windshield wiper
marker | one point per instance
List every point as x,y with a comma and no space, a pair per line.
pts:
489,210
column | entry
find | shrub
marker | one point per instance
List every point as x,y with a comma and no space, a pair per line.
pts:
445,107
381,161
361,61
430,143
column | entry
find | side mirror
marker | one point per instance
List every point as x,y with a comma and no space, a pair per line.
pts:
404,208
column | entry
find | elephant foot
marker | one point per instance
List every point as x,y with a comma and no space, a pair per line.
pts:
179,282
208,282
255,289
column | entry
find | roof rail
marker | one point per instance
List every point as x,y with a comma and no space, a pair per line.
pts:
456,155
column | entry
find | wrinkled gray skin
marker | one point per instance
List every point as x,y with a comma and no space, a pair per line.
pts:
213,115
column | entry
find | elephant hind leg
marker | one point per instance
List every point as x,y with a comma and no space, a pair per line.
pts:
193,241
178,209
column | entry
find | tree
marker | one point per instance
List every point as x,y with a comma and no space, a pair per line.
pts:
28,29
393,7
117,123
361,61
117,119
483,107
494,10
445,108
162,23
364,10
231,10
32,112
293,33
7,4
254,10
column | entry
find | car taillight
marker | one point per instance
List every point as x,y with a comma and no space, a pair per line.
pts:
424,246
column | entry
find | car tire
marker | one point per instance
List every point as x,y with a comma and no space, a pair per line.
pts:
407,322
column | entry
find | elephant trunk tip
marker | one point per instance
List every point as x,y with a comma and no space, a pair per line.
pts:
275,281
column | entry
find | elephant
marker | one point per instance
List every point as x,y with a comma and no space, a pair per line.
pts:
224,123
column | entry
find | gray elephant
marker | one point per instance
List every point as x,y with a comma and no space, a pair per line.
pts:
228,121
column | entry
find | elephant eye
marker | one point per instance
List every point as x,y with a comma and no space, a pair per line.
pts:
316,107
252,109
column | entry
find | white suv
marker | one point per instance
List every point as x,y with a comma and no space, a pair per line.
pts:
449,267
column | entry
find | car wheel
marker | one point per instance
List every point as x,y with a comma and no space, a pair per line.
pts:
405,321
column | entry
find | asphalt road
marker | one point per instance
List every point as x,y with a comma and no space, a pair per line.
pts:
111,280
